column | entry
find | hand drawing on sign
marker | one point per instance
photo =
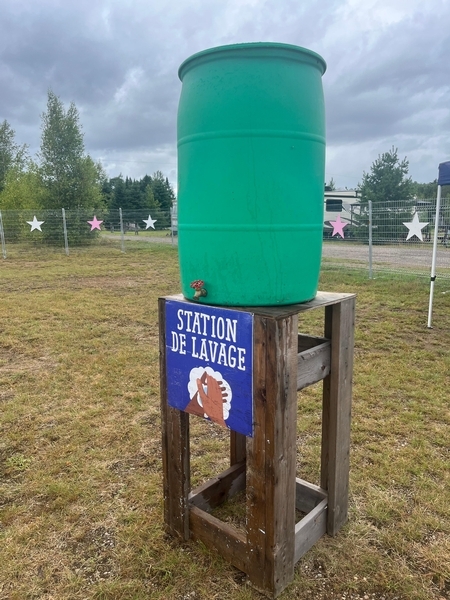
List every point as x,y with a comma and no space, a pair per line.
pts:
210,395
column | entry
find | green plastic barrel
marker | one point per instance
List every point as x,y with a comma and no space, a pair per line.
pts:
251,159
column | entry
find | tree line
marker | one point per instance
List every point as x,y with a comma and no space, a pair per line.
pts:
65,176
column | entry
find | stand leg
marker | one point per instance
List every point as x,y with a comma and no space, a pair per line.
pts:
238,443
175,451
271,458
337,395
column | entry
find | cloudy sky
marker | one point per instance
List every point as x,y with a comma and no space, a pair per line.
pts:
387,82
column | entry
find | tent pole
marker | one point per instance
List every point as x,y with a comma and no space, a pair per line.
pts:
433,262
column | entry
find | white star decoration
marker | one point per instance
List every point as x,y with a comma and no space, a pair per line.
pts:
415,228
149,222
35,224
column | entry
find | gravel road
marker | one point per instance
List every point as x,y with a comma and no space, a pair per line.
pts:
356,254
394,256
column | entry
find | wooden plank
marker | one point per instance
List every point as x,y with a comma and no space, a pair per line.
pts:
306,342
256,460
323,299
163,400
310,529
307,495
219,489
220,537
337,397
313,365
281,426
238,447
175,450
276,312
179,471
271,455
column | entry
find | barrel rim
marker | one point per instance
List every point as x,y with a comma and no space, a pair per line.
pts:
252,49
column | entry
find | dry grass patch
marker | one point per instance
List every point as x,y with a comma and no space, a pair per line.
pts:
81,514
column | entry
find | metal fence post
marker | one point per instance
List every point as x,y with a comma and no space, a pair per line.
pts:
370,240
2,236
174,220
121,231
66,241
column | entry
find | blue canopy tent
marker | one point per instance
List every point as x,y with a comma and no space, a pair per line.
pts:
443,179
444,173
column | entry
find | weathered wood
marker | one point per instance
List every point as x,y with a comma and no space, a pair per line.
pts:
175,450
282,414
337,396
276,312
163,399
310,529
219,489
313,365
238,447
306,342
264,465
179,471
310,499
256,460
220,537
271,519
307,495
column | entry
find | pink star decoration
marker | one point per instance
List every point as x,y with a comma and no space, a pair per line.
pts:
95,223
338,226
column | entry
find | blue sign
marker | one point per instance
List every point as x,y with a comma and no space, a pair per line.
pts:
209,359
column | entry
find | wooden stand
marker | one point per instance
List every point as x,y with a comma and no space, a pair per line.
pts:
265,465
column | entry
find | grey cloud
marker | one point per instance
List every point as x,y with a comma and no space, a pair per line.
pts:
390,86
118,62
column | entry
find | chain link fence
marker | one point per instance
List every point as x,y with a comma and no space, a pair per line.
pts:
36,231
395,237
390,236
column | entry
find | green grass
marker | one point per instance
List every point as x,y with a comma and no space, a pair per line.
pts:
81,512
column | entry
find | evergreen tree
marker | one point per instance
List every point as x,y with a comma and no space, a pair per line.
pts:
107,191
132,195
150,200
162,191
330,186
136,197
145,182
117,195
391,193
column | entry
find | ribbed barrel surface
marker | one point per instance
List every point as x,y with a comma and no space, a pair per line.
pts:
251,154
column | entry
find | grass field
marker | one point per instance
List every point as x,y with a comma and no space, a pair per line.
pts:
81,514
